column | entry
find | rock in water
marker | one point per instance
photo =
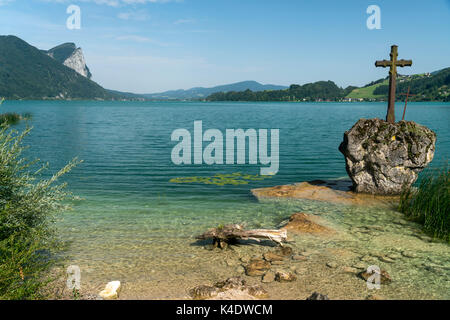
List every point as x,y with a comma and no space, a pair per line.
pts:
111,290
382,157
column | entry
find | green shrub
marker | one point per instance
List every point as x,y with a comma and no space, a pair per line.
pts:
29,246
429,203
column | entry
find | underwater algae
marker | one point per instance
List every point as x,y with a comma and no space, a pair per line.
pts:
235,178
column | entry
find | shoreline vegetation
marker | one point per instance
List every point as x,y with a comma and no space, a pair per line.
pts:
30,247
429,202
11,118
423,87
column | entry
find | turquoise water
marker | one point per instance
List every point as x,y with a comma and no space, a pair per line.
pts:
136,225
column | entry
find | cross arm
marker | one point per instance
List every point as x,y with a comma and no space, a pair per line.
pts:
403,63
383,63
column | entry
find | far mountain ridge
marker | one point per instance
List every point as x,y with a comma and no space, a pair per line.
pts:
202,92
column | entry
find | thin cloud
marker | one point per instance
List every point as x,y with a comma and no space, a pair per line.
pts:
5,2
142,39
184,21
134,15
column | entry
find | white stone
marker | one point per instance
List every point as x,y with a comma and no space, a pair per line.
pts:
111,290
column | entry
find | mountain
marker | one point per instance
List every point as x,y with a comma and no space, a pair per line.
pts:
29,73
200,92
69,55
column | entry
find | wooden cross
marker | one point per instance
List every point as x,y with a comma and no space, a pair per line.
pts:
393,63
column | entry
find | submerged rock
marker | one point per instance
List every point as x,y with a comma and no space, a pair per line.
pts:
203,292
268,277
302,223
284,276
257,267
272,256
234,288
334,191
382,158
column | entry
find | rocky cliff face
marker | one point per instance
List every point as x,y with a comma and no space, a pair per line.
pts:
69,55
76,62
382,158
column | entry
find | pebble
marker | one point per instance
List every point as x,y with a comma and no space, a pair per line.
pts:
360,265
332,264
284,276
369,259
409,254
245,259
240,269
350,270
400,222
268,277
230,262
386,259
298,258
393,256
301,271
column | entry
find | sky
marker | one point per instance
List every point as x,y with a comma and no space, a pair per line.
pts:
147,46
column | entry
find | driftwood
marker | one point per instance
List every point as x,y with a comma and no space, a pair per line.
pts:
224,235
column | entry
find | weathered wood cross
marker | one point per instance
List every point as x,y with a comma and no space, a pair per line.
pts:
393,63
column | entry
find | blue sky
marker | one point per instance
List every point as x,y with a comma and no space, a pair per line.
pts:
149,46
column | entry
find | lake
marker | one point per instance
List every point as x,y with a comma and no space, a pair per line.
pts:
136,226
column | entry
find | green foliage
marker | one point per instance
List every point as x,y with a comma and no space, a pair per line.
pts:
29,73
368,91
435,87
429,203
29,246
325,90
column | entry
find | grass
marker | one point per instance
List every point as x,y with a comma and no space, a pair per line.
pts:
366,92
11,118
429,202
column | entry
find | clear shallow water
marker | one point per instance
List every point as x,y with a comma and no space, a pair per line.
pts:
136,226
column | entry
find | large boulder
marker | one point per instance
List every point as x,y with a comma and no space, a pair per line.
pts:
382,157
